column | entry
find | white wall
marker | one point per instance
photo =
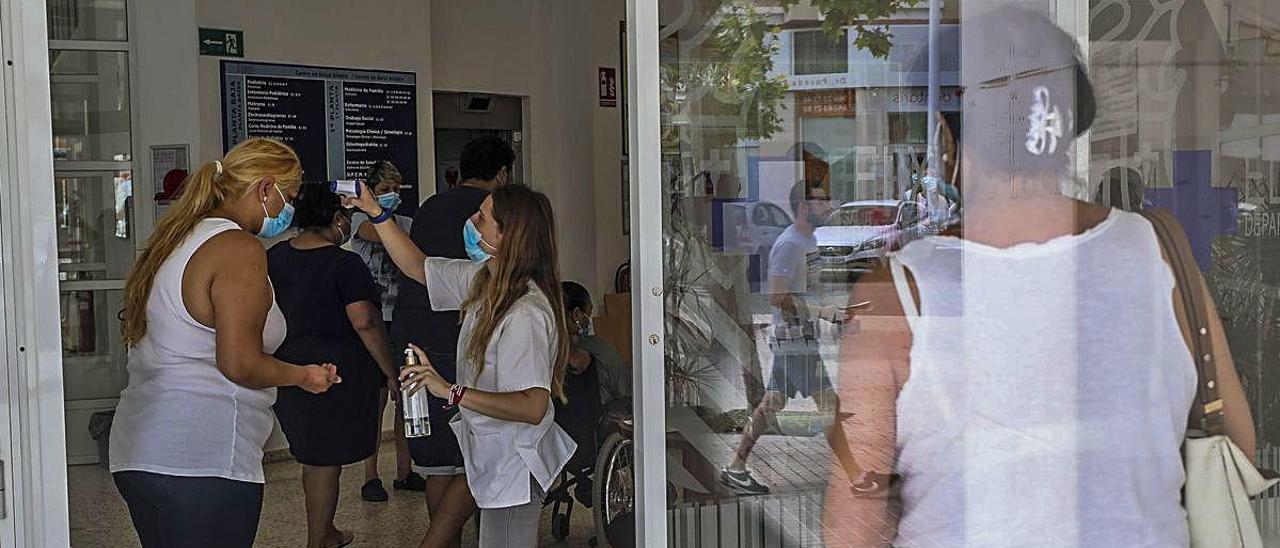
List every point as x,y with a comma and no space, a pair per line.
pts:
613,247
549,52
372,34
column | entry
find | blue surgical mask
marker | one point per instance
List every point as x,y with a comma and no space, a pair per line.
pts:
275,226
471,240
389,201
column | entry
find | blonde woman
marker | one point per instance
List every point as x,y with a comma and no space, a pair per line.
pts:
201,323
512,353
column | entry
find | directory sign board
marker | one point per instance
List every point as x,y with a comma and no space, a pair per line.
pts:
340,121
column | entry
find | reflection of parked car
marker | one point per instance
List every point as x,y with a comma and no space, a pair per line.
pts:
751,227
742,227
857,235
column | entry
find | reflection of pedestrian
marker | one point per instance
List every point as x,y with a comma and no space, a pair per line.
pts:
1122,188
797,365
1028,380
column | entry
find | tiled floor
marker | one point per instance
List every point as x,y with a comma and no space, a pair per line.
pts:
99,518
796,467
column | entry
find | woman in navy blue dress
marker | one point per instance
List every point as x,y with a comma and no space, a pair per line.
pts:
330,303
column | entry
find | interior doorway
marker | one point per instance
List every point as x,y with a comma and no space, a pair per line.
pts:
463,116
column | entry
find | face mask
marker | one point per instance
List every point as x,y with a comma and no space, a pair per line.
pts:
471,240
343,238
586,330
389,201
275,226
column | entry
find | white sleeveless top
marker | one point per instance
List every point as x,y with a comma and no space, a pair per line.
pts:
1048,393
180,415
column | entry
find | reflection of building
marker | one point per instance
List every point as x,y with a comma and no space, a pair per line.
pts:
868,114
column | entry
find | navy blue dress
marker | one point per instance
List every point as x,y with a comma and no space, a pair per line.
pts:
313,288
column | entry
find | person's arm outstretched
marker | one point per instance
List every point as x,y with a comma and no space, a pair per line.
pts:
403,252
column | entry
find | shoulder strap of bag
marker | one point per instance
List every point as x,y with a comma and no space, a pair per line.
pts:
1177,250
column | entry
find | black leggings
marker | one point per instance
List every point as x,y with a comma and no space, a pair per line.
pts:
180,512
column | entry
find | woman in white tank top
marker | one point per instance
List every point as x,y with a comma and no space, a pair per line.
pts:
201,323
1024,381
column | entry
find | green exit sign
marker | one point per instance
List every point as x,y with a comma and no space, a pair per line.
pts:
221,42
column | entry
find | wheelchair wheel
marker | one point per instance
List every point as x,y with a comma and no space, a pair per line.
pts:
613,493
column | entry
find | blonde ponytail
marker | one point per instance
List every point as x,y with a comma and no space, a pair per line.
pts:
205,190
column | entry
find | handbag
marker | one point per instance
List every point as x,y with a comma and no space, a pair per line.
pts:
1220,478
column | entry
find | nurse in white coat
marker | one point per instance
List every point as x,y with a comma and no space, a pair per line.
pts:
512,354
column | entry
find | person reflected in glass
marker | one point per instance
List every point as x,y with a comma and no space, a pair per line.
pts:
1025,379
797,368
201,323
385,180
330,302
512,353
1122,188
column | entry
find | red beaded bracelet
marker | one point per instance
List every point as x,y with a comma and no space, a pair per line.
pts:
455,395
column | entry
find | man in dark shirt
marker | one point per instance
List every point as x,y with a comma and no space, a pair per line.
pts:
486,163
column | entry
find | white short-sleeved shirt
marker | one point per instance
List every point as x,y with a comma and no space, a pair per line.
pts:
500,455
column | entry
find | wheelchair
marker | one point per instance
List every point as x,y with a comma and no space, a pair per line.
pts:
600,475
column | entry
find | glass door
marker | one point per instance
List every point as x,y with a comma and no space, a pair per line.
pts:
745,428
92,147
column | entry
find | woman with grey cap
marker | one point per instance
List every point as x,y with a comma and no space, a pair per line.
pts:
1029,382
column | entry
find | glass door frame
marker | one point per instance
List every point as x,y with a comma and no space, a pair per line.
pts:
648,375
643,31
32,441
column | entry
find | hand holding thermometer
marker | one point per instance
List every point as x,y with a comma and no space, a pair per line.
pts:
346,187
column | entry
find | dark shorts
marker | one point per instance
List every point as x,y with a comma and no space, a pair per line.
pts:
798,373
191,512
439,454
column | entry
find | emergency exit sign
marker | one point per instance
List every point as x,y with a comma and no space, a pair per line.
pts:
221,42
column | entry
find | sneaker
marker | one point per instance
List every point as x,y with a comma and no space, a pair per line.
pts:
411,482
742,481
372,491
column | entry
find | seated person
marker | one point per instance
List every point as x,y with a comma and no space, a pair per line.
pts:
613,373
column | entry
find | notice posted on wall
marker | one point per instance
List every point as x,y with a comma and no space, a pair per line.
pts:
340,121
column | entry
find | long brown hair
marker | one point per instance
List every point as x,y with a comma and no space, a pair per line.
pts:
204,190
528,254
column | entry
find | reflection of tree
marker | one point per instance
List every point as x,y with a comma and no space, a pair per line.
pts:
717,91
692,273
1246,283
838,14
726,79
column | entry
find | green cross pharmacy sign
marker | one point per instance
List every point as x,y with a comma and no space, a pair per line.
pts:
223,43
